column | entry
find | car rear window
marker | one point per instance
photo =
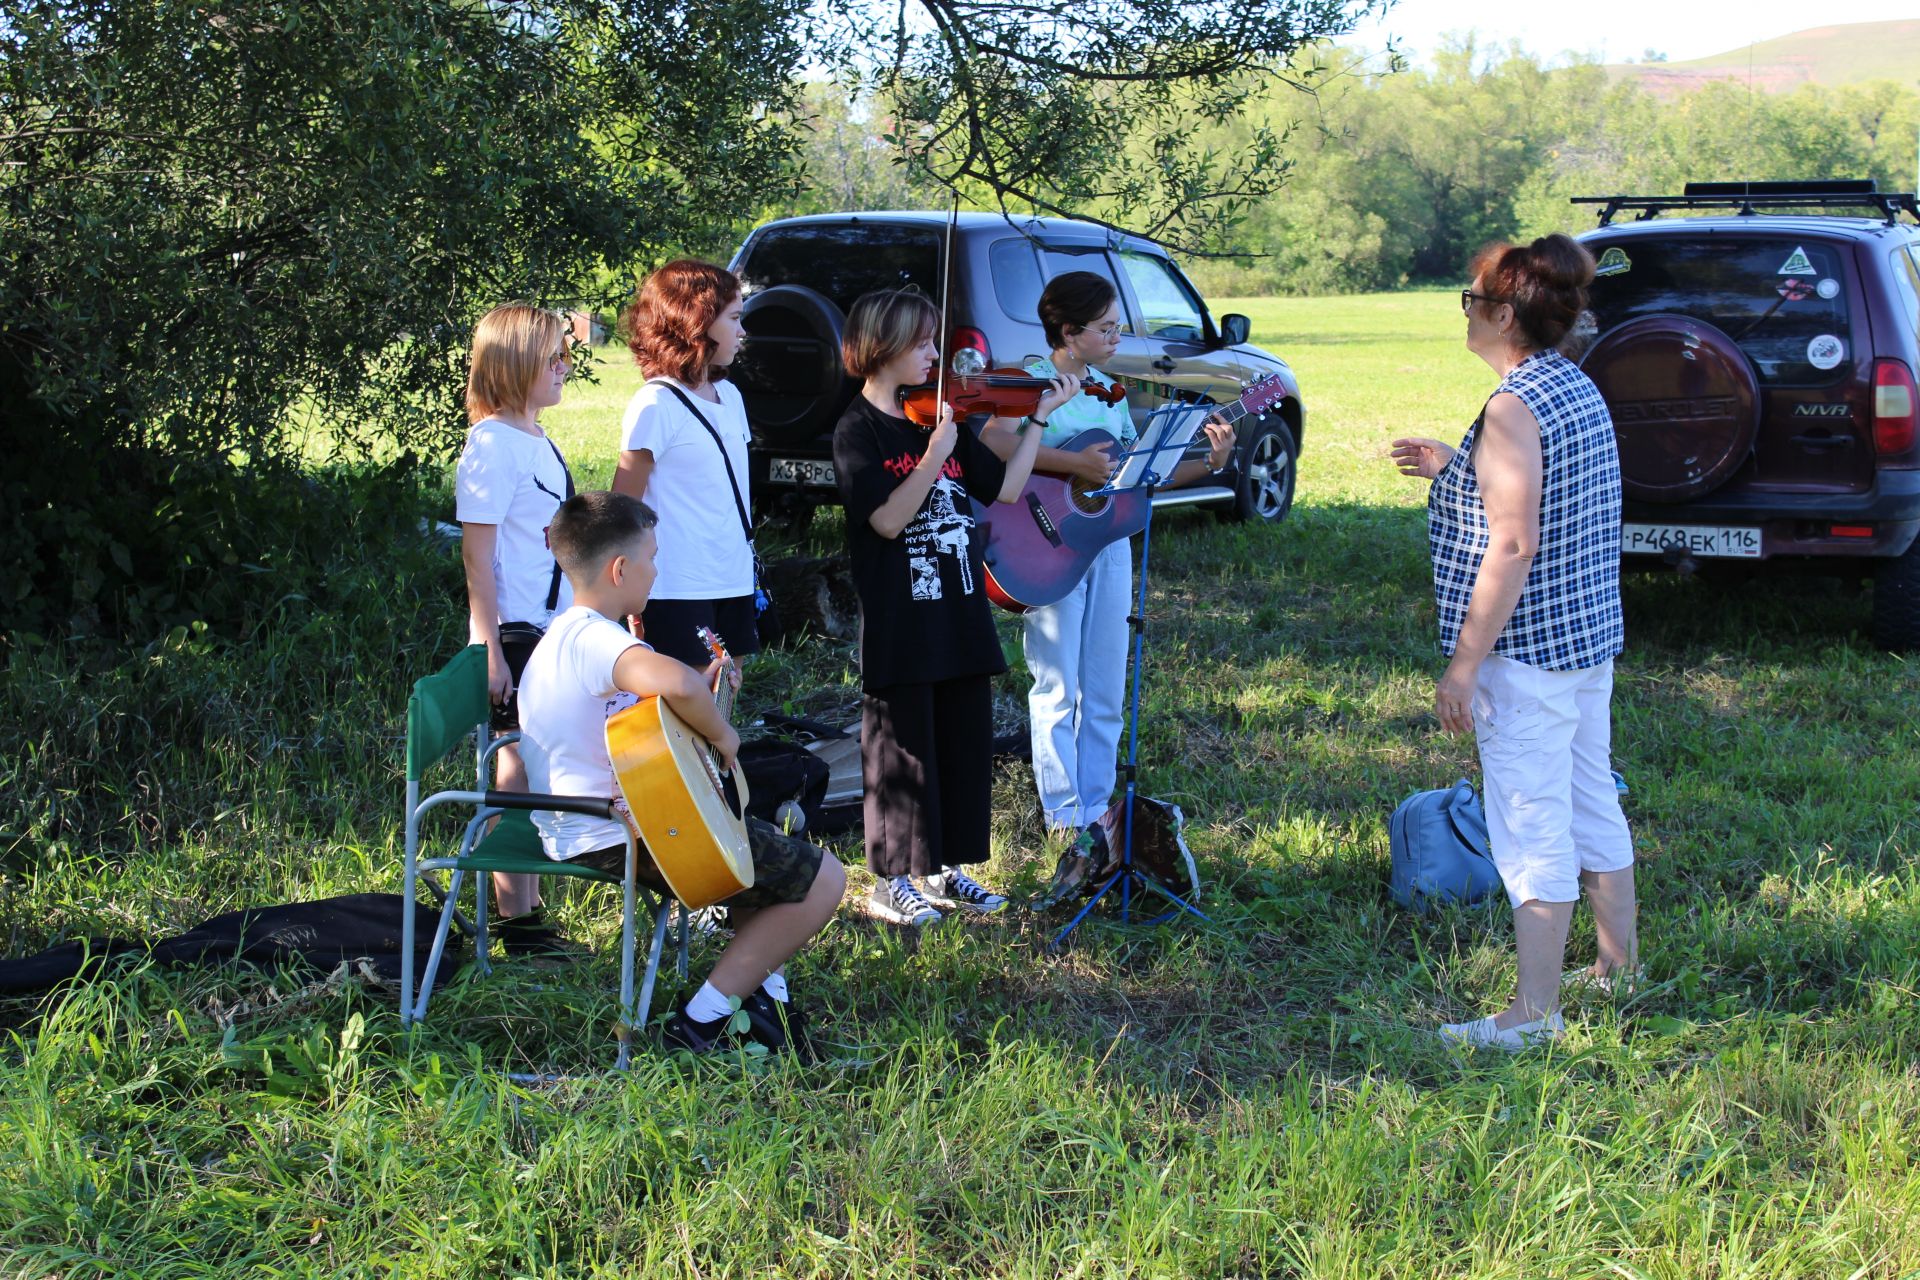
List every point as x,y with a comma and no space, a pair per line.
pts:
1016,278
844,261
1783,301
1906,283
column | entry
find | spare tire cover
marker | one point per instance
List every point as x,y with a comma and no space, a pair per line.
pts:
1685,404
788,368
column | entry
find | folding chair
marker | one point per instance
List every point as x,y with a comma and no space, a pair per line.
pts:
450,708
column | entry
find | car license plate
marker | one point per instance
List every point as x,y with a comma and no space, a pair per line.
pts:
805,471
1728,541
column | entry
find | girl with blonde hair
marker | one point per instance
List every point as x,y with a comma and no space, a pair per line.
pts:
510,481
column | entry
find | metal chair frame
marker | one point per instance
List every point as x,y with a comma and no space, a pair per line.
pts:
490,804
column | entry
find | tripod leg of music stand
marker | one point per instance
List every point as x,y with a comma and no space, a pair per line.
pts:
1082,913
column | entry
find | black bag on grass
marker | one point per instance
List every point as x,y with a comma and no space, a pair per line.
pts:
780,774
324,933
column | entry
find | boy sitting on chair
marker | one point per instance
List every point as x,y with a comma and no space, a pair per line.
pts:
587,667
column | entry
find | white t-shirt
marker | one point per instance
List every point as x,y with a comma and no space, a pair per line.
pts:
703,554
566,694
516,481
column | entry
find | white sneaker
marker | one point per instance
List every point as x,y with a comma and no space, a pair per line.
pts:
1481,1033
898,899
955,888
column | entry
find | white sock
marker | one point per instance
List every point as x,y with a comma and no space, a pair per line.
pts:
707,1004
776,986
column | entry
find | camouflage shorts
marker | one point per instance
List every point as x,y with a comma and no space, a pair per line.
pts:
783,867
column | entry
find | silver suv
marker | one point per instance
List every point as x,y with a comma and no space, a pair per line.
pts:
802,274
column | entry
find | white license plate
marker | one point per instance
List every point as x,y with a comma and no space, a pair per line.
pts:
800,471
1728,541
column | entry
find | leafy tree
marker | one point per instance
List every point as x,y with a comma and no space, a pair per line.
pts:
845,161
1090,108
213,215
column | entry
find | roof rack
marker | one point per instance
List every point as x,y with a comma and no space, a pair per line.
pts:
1750,198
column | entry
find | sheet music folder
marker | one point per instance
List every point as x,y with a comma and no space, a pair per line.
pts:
1161,447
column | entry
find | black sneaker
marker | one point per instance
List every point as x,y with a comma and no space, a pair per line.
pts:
955,888
681,1032
779,1026
532,936
899,899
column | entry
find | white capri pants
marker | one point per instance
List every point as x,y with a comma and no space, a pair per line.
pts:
1545,758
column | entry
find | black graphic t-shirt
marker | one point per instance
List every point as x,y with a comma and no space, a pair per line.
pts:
923,595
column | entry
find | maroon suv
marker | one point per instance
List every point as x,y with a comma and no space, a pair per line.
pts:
1760,368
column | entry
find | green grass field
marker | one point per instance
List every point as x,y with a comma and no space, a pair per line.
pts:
1256,1098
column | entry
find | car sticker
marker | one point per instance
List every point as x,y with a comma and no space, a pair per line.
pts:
1614,262
1797,265
1826,352
1794,289
1829,288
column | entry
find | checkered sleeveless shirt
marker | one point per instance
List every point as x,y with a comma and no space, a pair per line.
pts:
1568,618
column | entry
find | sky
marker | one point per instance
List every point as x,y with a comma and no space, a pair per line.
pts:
1619,29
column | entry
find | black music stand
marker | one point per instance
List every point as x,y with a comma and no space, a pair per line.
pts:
1128,876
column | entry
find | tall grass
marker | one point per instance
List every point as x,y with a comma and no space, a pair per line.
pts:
1255,1098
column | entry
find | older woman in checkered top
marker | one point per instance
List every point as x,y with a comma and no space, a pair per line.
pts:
1524,528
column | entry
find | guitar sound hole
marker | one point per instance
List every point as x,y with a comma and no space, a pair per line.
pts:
1087,505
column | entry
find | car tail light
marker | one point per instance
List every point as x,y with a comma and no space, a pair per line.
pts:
1896,404
966,339
1851,531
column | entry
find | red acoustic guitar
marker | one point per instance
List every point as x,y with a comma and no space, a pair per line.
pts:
1043,542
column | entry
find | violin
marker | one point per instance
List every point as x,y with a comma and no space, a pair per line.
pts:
1004,393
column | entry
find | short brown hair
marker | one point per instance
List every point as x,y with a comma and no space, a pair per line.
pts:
667,321
512,346
883,325
1073,300
589,527
1545,283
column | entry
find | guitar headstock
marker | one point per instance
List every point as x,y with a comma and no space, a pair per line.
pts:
716,647
1263,394
727,678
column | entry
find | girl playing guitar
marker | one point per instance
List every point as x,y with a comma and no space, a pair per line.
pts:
1076,648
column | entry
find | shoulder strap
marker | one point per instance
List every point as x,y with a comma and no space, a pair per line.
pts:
553,587
733,481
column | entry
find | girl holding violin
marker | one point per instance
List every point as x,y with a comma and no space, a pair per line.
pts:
1076,648
928,651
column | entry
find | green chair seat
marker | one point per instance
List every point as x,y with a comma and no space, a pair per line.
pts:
513,847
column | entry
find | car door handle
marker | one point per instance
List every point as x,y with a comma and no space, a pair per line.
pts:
1165,364
1824,442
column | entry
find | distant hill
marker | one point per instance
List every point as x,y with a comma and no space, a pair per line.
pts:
1831,56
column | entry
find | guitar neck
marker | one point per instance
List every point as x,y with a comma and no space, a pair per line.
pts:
1233,412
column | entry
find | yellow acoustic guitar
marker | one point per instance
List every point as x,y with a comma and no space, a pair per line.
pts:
691,816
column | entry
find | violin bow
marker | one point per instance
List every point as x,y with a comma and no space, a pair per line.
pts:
946,280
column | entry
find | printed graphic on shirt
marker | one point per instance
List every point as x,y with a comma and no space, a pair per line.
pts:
943,527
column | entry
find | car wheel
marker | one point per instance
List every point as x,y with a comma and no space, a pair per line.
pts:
1263,489
1896,602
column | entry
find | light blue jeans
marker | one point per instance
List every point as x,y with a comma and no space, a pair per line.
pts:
1077,653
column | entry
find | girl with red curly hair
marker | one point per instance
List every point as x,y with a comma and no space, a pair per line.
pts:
683,449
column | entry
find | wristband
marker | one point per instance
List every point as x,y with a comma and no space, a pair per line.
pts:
1038,422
